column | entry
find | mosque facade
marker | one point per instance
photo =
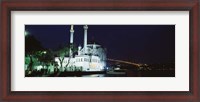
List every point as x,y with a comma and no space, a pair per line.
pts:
90,57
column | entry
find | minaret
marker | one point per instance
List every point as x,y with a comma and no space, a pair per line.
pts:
71,34
85,39
71,39
79,50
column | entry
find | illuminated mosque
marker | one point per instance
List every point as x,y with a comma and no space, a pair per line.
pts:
90,57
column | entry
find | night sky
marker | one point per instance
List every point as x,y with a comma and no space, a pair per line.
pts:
136,43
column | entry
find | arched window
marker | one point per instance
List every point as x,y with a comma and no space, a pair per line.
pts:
85,59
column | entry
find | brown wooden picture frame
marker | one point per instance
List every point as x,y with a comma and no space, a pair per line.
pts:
99,5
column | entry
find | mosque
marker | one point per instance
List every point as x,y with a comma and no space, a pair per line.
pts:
90,57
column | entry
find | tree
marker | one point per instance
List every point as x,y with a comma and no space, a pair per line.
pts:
63,52
45,58
32,45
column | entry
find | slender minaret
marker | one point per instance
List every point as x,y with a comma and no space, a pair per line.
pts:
85,39
71,34
79,50
71,39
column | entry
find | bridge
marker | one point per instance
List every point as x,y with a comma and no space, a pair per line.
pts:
125,62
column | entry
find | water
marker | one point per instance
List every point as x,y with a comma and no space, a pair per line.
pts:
94,75
127,73
168,73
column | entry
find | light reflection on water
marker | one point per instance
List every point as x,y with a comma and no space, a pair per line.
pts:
94,75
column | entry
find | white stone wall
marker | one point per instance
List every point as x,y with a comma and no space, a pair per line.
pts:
93,60
85,62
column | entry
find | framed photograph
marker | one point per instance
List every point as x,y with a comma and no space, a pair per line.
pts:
64,50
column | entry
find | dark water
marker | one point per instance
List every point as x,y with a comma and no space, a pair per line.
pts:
155,73
152,73
126,73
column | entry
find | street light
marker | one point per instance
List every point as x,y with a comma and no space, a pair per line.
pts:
44,52
26,33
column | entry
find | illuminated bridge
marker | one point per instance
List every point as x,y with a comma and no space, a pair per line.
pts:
125,62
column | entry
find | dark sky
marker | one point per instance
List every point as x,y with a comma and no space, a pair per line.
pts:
138,43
